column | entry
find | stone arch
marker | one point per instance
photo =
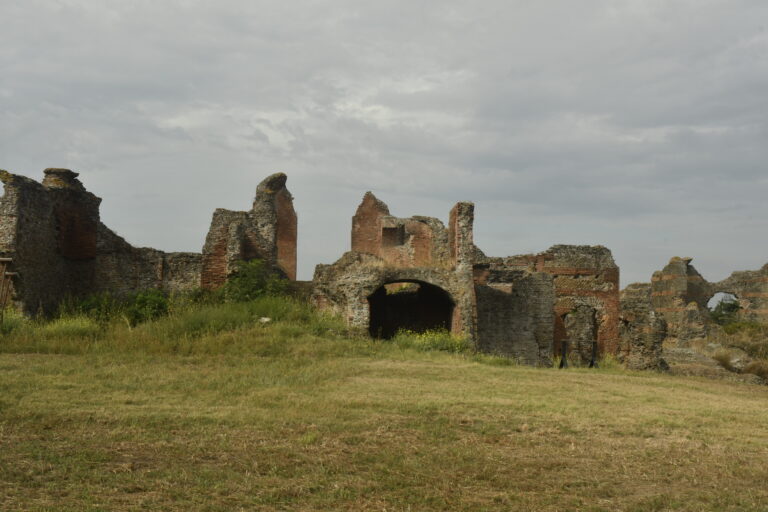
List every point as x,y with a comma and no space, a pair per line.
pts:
436,298
419,307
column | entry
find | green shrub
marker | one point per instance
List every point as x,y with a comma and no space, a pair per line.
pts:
725,312
146,305
12,321
743,326
101,307
431,340
251,280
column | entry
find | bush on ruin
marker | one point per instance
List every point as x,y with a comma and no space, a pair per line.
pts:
251,280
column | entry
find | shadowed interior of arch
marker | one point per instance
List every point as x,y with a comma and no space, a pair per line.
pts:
412,305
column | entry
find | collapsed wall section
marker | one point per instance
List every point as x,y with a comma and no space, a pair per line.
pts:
642,330
268,232
122,268
60,248
515,317
585,280
681,295
402,242
751,290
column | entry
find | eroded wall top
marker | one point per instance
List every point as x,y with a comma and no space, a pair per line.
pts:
416,241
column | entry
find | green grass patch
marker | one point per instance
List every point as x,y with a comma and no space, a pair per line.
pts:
211,408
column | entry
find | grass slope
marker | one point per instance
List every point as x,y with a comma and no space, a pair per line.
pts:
293,416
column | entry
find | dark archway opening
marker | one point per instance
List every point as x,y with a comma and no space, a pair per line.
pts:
413,306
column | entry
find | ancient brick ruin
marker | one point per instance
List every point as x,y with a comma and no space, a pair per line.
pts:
267,232
401,273
518,306
60,247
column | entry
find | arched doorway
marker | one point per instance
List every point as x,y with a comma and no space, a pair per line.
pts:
409,305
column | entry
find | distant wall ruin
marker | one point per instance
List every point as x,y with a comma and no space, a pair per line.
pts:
413,272
60,247
521,306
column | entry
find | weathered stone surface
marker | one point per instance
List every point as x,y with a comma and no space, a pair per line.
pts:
751,290
681,294
503,311
60,248
403,242
642,330
673,289
267,231
515,315
388,249
582,276
346,286
581,331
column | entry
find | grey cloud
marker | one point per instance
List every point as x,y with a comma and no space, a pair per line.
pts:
639,125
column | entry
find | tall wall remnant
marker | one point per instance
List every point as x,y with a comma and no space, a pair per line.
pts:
642,330
267,232
60,248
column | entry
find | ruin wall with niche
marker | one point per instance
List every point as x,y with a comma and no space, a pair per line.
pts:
388,249
504,311
519,306
585,291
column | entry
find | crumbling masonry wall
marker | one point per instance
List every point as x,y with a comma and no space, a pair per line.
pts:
502,310
60,248
519,306
681,295
388,249
585,282
515,315
267,232
642,330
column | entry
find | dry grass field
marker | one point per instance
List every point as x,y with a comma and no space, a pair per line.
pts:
293,415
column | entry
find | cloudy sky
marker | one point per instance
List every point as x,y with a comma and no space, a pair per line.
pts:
641,125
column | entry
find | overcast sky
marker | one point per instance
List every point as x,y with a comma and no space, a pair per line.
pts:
641,125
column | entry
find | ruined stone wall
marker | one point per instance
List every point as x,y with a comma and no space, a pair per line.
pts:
388,249
60,248
29,237
582,277
267,231
402,242
345,287
122,268
515,317
751,289
642,330
680,294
